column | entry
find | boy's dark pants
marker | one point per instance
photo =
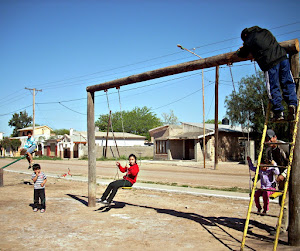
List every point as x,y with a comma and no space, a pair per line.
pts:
39,194
113,187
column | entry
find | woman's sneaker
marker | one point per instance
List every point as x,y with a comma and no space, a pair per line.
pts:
35,210
43,210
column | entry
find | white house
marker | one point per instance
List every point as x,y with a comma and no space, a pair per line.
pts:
71,146
119,138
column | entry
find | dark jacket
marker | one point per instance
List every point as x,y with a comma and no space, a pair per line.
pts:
263,46
279,154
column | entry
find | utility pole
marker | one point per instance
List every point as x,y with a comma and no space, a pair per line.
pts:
33,107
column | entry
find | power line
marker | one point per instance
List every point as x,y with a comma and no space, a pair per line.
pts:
134,88
190,94
230,39
139,87
159,57
150,60
15,111
75,82
71,109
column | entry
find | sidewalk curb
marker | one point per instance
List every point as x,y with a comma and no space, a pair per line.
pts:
162,188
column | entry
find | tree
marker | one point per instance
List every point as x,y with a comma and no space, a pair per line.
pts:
170,118
248,107
212,121
5,142
138,121
15,144
19,121
61,131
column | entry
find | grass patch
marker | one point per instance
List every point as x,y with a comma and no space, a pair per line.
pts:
229,189
46,158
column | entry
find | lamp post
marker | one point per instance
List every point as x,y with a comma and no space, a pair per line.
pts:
204,147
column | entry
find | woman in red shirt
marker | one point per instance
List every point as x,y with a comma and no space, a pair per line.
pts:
128,180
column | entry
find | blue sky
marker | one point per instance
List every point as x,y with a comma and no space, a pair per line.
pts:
63,46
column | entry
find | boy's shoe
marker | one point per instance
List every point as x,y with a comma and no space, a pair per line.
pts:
277,116
29,166
42,210
292,112
258,210
35,210
105,202
264,212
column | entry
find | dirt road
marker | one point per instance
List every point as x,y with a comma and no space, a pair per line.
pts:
139,219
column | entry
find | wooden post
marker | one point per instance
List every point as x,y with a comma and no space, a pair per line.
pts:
294,183
217,118
91,150
204,147
1,178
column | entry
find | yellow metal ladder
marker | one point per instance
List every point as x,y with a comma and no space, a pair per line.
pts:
284,191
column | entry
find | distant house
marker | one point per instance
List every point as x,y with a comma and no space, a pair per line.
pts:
126,139
185,141
44,131
73,145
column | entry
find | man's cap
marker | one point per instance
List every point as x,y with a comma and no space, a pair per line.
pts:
270,133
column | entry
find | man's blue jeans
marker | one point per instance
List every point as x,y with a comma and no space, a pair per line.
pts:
280,78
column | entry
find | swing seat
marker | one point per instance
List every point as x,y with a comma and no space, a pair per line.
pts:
127,188
275,195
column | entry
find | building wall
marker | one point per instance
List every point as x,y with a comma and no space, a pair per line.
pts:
176,148
120,142
143,151
229,147
42,131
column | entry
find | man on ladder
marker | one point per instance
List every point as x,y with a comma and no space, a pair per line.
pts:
272,59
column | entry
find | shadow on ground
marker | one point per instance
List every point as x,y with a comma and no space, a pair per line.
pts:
213,225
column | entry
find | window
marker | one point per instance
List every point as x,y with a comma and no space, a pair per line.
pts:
161,146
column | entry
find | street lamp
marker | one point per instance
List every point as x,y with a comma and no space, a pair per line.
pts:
204,148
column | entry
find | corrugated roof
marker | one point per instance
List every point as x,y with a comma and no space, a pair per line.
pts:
117,135
31,128
221,127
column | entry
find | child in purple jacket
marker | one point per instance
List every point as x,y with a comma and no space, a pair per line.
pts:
267,181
